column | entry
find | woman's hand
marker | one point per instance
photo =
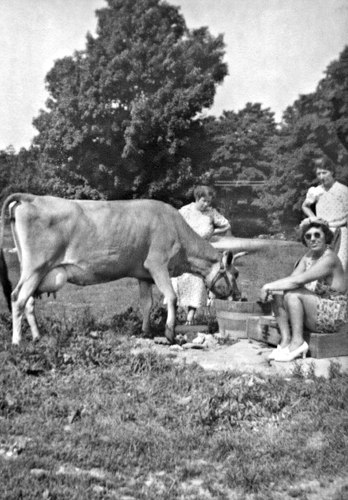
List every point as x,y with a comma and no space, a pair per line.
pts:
265,294
313,218
220,231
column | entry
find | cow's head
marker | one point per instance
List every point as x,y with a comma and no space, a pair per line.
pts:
224,283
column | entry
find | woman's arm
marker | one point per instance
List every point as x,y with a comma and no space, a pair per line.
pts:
321,269
307,210
221,229
221,224
311,199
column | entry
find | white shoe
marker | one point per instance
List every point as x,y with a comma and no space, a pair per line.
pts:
290,356
276,351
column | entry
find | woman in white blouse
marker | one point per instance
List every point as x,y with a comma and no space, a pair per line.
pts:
207,222
331,204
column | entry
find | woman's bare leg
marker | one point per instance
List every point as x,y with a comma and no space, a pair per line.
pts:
191,315
282,320
301,306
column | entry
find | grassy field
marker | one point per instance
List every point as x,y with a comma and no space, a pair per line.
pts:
84,414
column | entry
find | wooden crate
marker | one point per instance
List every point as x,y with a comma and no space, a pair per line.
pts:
328,345
321,345
263,329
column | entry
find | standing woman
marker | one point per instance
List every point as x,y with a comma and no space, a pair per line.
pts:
331,204
207,222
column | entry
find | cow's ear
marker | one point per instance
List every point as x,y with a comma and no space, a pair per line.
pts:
227,258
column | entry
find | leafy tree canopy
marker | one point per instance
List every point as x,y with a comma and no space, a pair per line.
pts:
239,141
122,112
315,124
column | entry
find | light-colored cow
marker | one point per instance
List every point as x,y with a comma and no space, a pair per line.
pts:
90,242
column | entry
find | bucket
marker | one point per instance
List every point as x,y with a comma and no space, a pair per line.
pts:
232,317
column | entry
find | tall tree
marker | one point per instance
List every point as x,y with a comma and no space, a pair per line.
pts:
121,113
333,91
22,172
315,124
7,165
240,139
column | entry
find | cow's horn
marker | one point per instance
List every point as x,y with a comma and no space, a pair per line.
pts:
238,256
251,244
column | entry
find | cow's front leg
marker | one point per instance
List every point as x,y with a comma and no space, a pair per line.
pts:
171,316
161,277
145,291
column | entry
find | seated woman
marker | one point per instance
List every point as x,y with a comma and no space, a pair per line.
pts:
315,294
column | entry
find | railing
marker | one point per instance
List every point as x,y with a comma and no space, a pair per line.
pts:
239,183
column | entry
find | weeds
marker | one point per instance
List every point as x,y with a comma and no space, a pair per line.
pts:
342,494
246,401
335,370
127,321
102,420
149,362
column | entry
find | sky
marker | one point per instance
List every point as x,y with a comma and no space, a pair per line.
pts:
275,50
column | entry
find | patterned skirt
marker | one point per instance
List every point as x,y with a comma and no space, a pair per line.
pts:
190,291
331,313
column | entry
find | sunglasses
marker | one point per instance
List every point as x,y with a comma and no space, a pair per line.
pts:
316,235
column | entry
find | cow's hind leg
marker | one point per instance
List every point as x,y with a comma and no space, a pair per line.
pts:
145,290
23,301
30,315
21,294
161,278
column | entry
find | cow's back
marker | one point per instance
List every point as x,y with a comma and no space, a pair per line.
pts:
101,240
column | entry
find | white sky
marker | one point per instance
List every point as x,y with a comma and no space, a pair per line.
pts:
275,50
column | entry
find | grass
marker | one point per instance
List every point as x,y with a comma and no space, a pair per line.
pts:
95,417
88,412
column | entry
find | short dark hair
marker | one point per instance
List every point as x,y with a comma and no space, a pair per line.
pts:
201,191
328,234
325,163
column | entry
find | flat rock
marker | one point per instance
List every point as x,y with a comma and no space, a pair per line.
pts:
192,345
250,357
161,340
176,347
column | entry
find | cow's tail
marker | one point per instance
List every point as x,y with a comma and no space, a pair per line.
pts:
5,281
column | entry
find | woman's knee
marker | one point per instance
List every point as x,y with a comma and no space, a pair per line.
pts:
292,296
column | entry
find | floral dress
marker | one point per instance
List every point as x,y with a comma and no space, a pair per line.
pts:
332,206
331,305
190,290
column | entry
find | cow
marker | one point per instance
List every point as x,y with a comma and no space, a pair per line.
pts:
87,242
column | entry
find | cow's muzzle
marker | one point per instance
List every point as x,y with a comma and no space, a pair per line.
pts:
226,288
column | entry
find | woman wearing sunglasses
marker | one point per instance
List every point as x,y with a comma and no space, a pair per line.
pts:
315,294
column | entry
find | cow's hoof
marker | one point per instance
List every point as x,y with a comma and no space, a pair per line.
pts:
146,335
180,339
170,335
